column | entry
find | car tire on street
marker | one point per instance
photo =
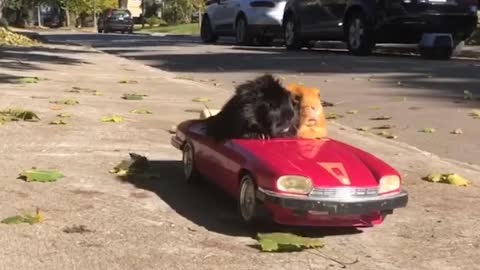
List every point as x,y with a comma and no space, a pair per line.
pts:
359,35
189,168
290,30
265,41
248,206
242,34
206,31
436,53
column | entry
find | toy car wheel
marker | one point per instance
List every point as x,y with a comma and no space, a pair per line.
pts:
189,169
247,202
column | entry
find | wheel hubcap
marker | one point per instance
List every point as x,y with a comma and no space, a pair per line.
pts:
247,199
289,32
355,33
187,161
240,30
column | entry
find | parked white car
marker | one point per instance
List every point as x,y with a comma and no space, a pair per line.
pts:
246,20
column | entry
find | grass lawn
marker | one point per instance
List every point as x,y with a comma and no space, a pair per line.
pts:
181,29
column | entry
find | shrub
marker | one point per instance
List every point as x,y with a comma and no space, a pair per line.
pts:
4,23
152,21
162,23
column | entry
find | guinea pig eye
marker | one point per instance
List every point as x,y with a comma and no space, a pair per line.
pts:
296,99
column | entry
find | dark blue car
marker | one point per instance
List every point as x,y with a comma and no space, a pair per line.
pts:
363,23
113,20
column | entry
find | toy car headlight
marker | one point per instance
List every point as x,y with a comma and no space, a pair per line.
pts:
389,183
294,184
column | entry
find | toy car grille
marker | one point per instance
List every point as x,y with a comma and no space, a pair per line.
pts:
343,192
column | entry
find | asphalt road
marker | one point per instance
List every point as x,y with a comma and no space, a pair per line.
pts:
414,92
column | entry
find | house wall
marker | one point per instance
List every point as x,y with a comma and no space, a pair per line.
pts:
135,7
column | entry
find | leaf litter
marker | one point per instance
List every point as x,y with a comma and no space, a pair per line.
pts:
137,164
78,90
77,229
25,218
28,80
172,129
457,131
448,178
65,102
141,111
428,130
387,126
133,96
333,116
64,115
467,95
112,119
18,115
58,122
42,176
363,128
282,242
201,99
386,135
383,117
475,114
127,81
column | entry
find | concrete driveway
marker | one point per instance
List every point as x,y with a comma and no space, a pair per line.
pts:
159,222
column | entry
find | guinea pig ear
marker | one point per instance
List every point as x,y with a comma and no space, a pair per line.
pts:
294,88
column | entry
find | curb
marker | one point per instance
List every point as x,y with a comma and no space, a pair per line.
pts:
466,52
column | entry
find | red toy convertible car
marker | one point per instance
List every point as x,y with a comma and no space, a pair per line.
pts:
298,181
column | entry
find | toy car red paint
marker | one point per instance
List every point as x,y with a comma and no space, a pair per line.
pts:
298,181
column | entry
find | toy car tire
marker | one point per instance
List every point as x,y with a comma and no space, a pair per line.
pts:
188,159
248,206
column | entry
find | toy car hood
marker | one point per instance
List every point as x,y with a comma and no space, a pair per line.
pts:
327,162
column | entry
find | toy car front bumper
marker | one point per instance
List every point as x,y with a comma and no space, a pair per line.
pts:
336,207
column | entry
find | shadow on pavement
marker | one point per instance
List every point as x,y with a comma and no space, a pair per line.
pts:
29,58
6,78
447,79
205,205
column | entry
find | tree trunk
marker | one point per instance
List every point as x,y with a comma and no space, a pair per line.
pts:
67,14
2,4
121,3
39,16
